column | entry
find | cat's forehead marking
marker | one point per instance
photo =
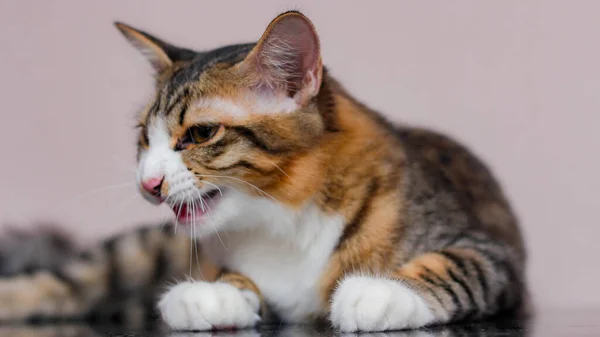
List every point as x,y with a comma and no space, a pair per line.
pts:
222,105
247,106
177,87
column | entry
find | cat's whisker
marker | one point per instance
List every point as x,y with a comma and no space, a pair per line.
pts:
127,202
242,181
178,212
165,218
103,189
201,203
210,218
71,201
167,200
124,164
196,241
280,169
217,187
192,241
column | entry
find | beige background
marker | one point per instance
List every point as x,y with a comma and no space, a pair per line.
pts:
518,81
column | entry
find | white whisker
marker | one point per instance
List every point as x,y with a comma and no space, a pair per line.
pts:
191,236
211,220
217,187
178,212
126,203
125,165
280,169
195,241
102,189
242,181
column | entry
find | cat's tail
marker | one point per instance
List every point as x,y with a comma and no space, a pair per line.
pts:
43,275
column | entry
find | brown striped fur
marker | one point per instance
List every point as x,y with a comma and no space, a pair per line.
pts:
104,282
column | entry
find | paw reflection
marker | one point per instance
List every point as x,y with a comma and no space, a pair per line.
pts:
238,333
488,329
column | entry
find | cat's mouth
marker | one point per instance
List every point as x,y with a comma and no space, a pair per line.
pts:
193,211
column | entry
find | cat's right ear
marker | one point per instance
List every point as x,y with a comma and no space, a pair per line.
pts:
157,52
286,61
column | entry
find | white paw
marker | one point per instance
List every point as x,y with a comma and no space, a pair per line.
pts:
201,306
377,304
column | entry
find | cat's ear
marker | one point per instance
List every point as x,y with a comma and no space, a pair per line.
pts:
160,54
287,59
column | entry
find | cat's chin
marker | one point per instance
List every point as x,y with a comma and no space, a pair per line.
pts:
195,212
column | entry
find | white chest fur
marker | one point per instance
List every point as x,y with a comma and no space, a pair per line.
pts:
284,255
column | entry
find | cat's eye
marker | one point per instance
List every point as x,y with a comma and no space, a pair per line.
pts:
197,134
202,133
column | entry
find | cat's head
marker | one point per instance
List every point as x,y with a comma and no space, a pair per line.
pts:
230,124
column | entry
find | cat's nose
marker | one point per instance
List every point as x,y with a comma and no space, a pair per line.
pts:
153,185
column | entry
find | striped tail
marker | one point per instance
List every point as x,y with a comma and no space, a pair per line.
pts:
117,280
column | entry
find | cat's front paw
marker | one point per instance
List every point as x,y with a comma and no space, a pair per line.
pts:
376,304
201,306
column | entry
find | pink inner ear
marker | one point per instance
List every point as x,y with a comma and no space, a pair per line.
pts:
289,54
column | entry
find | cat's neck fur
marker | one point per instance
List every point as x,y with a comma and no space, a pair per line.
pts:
353,131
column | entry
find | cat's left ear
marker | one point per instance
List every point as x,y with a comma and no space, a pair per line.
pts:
160,54
286,61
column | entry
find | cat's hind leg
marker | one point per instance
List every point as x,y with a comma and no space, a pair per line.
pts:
438,287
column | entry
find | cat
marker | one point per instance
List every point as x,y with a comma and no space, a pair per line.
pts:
306,205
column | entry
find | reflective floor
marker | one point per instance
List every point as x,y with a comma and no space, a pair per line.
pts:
572,323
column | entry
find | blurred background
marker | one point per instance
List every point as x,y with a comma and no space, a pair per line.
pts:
517,81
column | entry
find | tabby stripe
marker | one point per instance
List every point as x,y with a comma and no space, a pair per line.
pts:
452,238
428,279
460,265
174,89
182,113
431,287
214,151
354,225
443,285
501,265
113,272
154,108
161,265
241,163
171,100
183,95
160,104
481,279
458,280
254,139
66,279
475,240
513,280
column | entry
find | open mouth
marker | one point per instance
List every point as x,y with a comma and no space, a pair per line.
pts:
193,210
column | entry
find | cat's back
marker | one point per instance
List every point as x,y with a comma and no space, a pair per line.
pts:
448,180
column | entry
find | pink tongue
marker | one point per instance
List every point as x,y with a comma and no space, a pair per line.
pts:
184,212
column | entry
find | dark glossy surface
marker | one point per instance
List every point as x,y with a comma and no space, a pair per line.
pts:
573,322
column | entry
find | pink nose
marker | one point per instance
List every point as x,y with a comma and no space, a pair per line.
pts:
152,185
